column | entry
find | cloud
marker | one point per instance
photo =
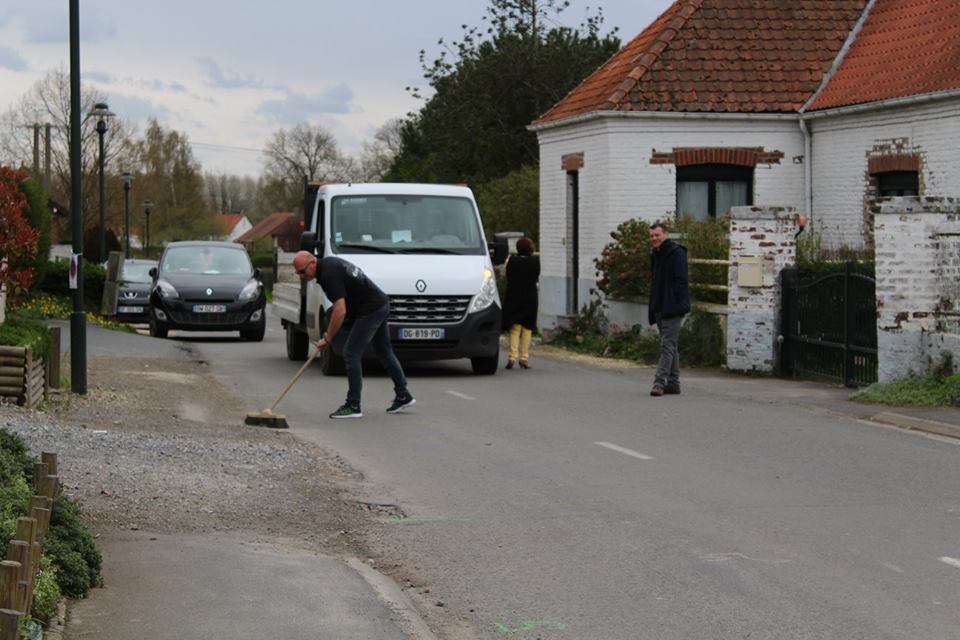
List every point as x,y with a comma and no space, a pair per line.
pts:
297,107
135,108
98,76
217,78
10,59
47,26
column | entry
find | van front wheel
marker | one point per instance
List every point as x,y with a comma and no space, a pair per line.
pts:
485,366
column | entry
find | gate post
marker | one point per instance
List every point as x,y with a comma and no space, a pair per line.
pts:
762,243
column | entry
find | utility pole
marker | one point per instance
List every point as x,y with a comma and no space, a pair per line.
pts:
78,318
46,160
36,152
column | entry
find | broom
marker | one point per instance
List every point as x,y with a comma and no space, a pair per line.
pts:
268,418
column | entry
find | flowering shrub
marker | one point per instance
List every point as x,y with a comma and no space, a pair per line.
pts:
18,240
623,268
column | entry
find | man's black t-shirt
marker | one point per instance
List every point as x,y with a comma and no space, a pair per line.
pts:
341,279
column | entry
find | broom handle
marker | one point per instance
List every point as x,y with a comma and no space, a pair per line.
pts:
294,379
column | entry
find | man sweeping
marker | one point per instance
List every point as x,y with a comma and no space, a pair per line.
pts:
361,308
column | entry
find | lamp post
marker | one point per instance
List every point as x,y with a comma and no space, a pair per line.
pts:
127,178
147,206
101,112
78,317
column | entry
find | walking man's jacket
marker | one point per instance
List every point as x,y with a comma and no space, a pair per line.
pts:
669,289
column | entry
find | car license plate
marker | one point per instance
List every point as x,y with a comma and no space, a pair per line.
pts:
129,309
209,308
421,333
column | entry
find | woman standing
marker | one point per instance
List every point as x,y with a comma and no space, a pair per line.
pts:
520,308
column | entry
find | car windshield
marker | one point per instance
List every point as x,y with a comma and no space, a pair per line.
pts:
137,272
205,260
401,223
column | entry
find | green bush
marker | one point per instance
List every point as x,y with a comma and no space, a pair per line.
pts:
813,259
38,215
46,591
511,203
262,259
18,331
56,281
72,549
701,340
623,268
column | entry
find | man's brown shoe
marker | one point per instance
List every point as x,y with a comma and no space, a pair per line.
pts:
657,390
672,389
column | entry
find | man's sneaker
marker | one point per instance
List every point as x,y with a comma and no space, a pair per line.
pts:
400,403
657,390
347,411
672,389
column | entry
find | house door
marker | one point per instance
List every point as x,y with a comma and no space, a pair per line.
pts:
829,326
572,242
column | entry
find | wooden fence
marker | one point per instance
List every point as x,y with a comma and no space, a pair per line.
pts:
22,376
18,573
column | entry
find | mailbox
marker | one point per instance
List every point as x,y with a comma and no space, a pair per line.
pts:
750,271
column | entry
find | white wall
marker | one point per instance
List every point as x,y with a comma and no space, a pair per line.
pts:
841,145
617,182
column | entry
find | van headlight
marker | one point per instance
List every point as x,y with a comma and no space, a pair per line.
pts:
166,290
488,293
250,291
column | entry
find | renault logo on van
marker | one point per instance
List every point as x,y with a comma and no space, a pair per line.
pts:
421,286
209,291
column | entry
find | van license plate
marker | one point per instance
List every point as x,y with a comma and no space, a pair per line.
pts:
209,308
421,333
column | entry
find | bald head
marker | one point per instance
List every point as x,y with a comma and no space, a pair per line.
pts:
305,264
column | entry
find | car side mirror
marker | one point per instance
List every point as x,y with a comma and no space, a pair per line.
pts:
309,242
153,272
257,274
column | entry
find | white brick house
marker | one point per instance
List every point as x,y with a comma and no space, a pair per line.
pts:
714,106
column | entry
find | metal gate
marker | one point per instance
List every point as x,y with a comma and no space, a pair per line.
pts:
829,326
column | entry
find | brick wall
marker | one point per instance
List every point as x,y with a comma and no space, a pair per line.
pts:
845,147
918,284
754,311
618,182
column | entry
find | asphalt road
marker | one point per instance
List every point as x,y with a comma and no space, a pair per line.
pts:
564,502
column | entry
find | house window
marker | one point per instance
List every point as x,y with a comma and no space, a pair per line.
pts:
707,190
897,183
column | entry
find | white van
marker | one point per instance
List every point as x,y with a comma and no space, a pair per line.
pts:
423,244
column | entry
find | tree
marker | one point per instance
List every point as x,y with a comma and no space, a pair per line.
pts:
168,175
236,194
377,155
48,102
18,240
511,203
305,152
500,79
37,214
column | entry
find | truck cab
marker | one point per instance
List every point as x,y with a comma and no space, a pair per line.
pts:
424,246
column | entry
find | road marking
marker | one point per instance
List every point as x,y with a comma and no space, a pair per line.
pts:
892,567
623,450
460,395
953,562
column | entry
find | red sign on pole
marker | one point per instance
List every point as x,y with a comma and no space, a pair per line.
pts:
73,270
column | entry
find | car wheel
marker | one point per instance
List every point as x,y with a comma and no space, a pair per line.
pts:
485,366
157,330
298,344
257,331
330,363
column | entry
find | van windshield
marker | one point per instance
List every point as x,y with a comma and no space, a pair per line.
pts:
401,223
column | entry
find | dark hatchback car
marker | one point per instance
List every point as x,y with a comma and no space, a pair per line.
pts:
207,286
133,293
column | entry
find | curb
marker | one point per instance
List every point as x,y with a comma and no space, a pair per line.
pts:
917,424
394,598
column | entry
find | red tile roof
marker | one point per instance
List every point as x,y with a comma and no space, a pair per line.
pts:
766,56
268,226
230,220
906,47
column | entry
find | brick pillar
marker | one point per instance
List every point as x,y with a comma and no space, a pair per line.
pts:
918,284
762,243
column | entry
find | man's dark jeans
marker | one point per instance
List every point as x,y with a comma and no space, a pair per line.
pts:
371,329
668,369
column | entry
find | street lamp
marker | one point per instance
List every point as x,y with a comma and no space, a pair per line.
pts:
127,178
147,206
101,112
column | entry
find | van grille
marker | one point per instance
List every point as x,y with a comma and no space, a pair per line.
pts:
428,309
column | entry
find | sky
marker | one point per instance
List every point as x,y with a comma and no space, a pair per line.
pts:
229,73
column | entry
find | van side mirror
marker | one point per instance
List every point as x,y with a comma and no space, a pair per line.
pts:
309,242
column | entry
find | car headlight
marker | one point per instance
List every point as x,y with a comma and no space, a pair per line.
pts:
166,290
488,293
250,291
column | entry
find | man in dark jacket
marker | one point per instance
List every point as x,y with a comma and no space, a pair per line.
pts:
669,302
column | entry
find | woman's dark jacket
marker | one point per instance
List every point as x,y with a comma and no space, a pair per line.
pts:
520,307
669,290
